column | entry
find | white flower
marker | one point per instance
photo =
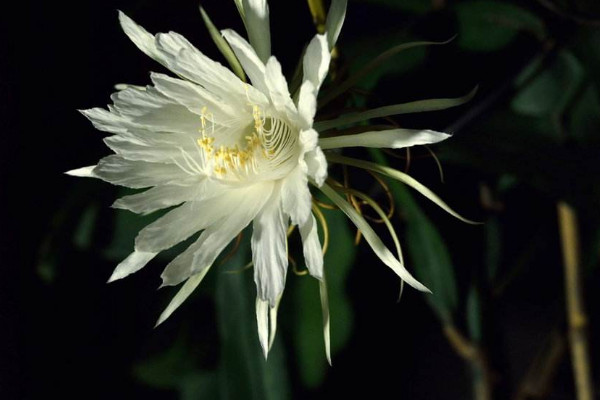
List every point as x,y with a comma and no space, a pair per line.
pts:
225,154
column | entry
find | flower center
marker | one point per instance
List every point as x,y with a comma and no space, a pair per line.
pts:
266,149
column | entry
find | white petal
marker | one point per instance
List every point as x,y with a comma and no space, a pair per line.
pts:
182,222
307,104
253,66
195,98
154,111
326,319
262,322
106,121
137,174
213,240
141,37
278,89
393,138
186,290
133,263
316,61
273,322
317,165
256,17
335,20
157,198
150,146
269,249
295,196
384,254
85,172
311,246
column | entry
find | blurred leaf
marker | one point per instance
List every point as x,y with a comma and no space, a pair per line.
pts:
584,123
474,315
82,237
368,47
491,25
412,6
493,247
309,345
430,256
243,371
165,370
199,385
552,90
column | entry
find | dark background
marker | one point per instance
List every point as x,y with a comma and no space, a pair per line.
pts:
64,332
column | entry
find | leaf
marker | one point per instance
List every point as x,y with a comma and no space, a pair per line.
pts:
243,372
474,315
491,25
552,90
430,257
308,323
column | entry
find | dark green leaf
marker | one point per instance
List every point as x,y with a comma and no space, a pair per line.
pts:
491,25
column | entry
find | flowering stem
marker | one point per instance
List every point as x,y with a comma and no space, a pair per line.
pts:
576,316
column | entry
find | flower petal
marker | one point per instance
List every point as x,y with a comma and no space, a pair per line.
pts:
326,319
393,138
307,104
133,263
137,174
201,254
311,246
159,197
373,239
186,290
140,37
187,219
84,172
269,249
316,61
253,66
317,165
335,20
295,196
256,17
278,89
262,322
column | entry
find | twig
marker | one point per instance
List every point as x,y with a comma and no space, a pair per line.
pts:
576,316
537,381
475,356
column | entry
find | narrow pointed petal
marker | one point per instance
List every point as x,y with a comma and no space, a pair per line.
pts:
253,65
393,138
373,239
140,37
256,16
202,253
311,246
335,21
137,174
133,263
262,322
326,319
186,290
316,61
157,198
273,322
85,172
179,224
295,196
402,177
269,250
